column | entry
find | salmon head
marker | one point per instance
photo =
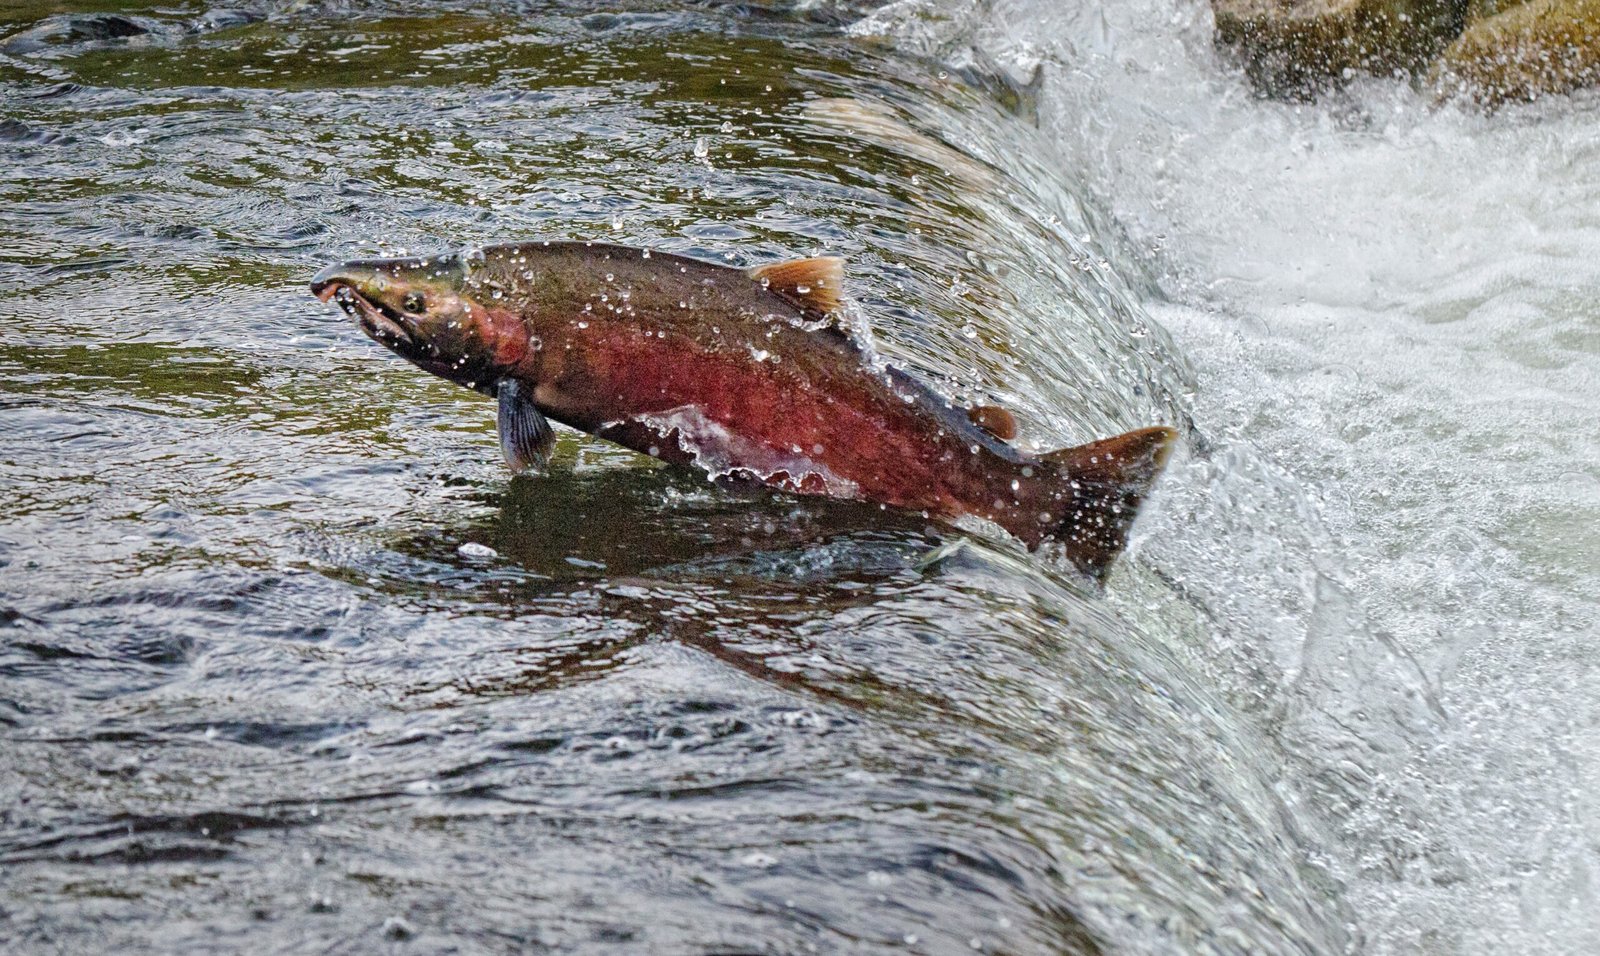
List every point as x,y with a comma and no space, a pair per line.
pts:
427,311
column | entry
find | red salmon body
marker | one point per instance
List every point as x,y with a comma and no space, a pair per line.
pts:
738,372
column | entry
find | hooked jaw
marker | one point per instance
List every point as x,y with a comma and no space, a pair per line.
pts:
353,291
416,309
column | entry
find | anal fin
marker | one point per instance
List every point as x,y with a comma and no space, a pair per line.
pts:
526,438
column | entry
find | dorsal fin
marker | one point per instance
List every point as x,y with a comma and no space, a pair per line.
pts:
814,285
994,420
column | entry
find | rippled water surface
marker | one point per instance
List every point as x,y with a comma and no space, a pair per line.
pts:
289,664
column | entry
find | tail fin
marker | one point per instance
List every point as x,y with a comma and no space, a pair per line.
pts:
1089,503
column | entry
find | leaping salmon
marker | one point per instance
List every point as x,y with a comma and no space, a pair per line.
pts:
741,372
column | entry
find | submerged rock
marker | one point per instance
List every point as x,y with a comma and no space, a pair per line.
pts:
1521,53
1296,48
53,31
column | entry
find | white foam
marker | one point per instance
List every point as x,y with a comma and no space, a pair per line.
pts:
1390,310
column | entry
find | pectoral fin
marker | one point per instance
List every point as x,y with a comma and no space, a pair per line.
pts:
526,438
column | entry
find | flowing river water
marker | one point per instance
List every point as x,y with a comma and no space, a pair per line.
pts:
289,664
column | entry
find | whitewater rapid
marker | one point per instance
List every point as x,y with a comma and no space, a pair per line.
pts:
1390,309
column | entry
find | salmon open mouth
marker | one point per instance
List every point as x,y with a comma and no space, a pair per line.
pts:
380,323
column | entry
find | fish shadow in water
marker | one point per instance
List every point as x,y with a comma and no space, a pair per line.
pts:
663,522
682,560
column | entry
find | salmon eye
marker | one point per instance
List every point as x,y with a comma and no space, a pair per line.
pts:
413,302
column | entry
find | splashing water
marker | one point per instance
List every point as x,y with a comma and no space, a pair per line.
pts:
1389,305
